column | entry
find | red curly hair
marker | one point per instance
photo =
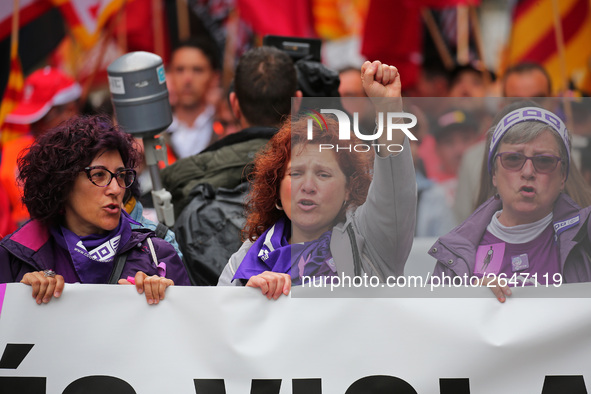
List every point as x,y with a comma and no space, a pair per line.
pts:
270,165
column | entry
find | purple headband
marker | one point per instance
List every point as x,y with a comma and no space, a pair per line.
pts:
523,115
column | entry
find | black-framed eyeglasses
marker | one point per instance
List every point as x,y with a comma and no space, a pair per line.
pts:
102,177
514,161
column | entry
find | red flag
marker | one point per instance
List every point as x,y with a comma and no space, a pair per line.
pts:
283,18
393,33
393,36
139,29
448,3
28,11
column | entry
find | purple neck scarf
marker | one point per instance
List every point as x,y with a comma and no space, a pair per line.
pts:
93,255
272,252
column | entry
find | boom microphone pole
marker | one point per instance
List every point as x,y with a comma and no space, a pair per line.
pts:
138,90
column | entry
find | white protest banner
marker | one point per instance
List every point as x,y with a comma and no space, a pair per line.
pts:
105,338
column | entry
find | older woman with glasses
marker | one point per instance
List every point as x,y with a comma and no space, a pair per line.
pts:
74,179
531,232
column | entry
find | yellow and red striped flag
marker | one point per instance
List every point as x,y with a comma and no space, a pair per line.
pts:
12,95
14,88
533,36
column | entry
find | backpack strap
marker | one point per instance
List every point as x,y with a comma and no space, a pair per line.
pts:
161,230
117,269
122,258
356,256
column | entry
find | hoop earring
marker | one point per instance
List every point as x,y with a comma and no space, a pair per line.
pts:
278,206
497,197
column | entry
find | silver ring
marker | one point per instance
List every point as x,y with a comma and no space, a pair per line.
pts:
49,273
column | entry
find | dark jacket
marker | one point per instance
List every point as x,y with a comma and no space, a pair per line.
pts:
456,251
208,191
32,248
223,164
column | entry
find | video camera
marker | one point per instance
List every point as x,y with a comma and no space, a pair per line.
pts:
314,79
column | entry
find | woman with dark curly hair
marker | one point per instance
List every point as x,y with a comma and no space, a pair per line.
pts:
74,178
316,213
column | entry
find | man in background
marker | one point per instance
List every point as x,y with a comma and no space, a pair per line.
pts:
470,81
193,74
527,80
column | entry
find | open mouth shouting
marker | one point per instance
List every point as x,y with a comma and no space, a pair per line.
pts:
527,191
112,208
306,205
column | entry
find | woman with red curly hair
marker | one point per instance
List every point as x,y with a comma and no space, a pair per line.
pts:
314,213
74,179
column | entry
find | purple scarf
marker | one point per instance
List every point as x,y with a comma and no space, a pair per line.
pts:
93,256
272,252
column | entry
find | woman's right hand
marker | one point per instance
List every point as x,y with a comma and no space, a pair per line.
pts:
380,80
500,291
382,85
153,286
44,286
272,284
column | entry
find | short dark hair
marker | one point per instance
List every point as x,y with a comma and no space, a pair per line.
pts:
460,70
526,67
264,83
49,167
433,71
208,47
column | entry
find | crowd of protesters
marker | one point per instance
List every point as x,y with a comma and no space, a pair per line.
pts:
65,221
